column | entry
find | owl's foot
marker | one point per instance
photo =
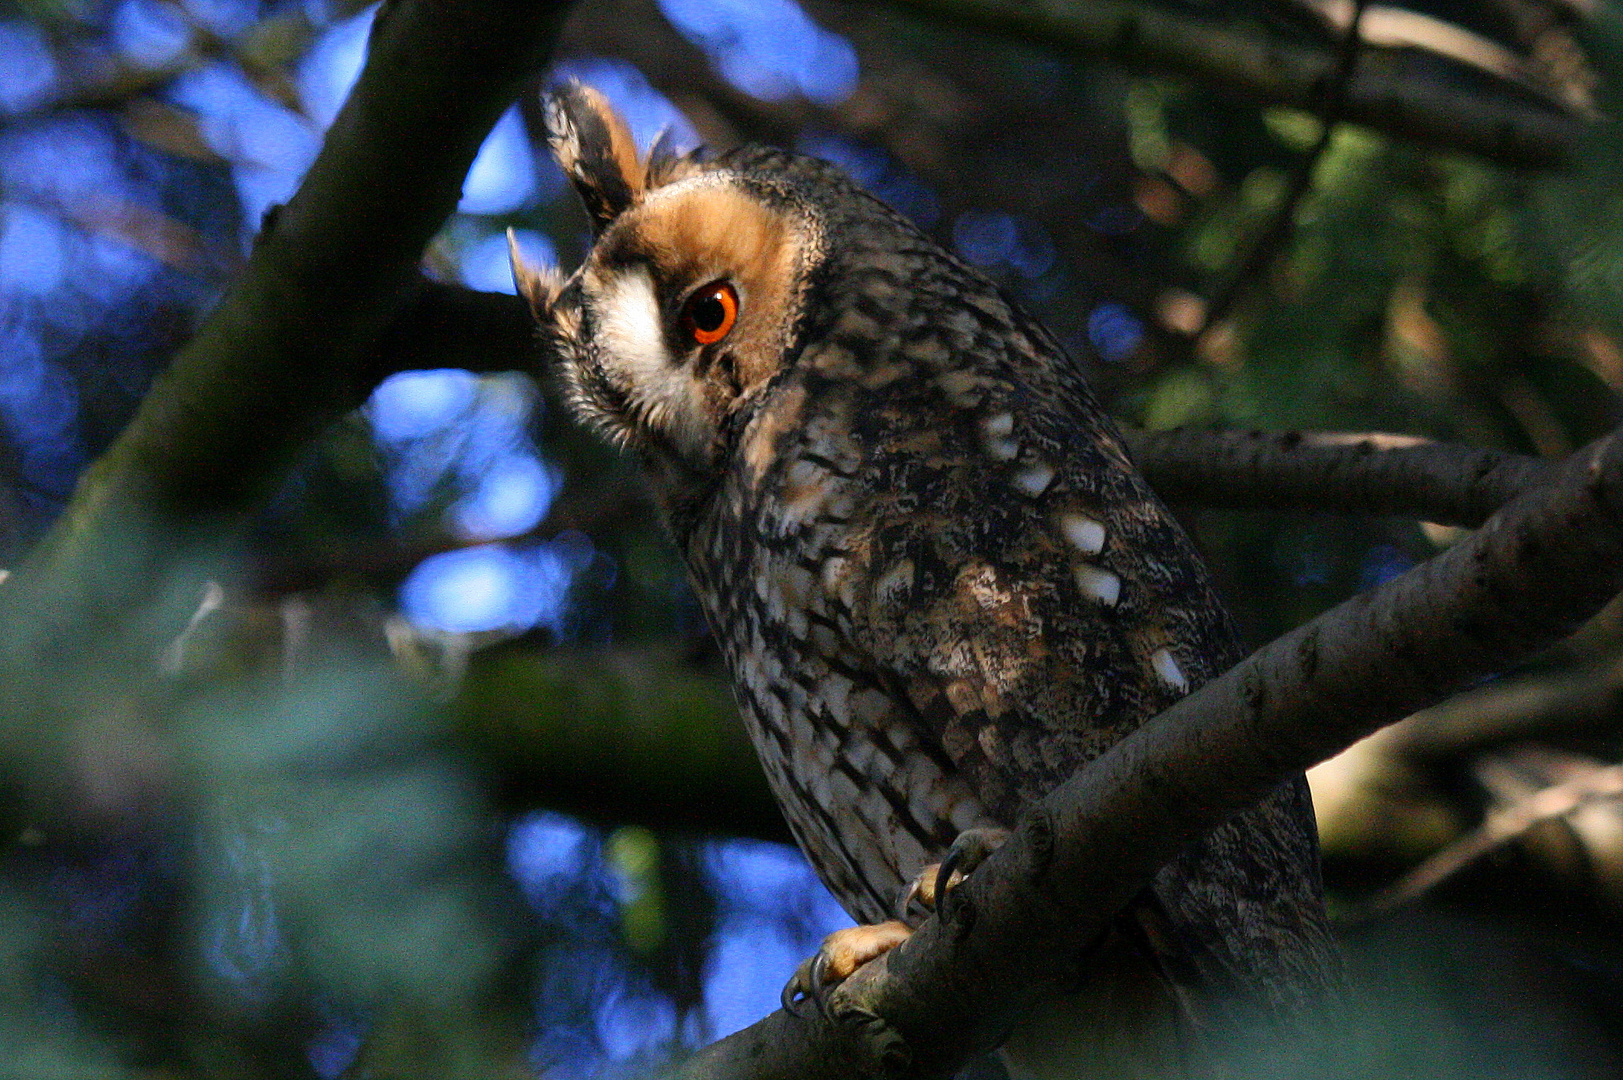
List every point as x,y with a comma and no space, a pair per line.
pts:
842,953
935,881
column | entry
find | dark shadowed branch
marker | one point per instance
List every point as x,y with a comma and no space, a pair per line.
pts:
616,736
1570,700
1388,93
448,326
1531,574
1368,473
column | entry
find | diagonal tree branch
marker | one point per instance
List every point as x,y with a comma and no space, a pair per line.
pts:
1534,571
286,351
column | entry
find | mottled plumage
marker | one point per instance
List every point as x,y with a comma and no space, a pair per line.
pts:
938,581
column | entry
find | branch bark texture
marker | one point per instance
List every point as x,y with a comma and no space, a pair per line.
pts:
1537,569
1357,474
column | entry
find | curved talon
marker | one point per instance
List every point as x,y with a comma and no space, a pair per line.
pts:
842,953
821,984
945,875
810,983
794,995
972,848
920,890
929,888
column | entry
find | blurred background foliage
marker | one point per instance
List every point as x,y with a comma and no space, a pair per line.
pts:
441,779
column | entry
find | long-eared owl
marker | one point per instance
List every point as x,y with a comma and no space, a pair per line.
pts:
939,584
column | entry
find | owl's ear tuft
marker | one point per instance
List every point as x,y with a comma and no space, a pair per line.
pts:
594,148
666,165
540,285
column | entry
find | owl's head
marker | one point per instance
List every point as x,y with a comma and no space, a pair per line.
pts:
690,298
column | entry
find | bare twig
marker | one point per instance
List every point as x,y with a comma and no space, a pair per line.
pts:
1265,249
1391,27
1502,826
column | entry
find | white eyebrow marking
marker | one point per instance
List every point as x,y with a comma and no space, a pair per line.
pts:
628,321
635,356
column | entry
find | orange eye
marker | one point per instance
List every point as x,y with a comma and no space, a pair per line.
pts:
710,313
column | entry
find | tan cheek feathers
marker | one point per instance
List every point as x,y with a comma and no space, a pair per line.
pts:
704,231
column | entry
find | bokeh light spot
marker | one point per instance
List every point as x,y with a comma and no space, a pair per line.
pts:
512,497
412,404
769,48
1114,332
502,178
29,72
492,588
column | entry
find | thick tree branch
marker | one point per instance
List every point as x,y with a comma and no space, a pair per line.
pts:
287,350
1346,473
1388,92
1531,574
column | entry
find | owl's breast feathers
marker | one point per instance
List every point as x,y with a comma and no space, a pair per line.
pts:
943,587
1000,563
